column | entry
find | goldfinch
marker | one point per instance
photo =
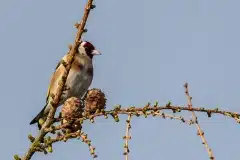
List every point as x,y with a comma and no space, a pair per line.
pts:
78,81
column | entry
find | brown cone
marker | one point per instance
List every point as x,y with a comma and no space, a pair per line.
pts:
95,100
71,110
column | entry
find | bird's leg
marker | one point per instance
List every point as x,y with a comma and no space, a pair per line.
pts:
83,98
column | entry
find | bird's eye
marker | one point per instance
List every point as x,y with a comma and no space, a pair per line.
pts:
87,49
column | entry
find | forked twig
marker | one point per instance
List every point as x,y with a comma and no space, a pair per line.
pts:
200,132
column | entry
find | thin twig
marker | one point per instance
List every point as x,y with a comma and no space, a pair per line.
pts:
200,132
182,119
127,137
65,137
60,88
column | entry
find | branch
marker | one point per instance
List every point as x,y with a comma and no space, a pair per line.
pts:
127,136
200,132
78,134
148,110
60,88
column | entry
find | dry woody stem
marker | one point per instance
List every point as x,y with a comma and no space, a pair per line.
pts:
200,132
127,137
56,100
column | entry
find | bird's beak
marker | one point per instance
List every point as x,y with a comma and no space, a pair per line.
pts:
96,52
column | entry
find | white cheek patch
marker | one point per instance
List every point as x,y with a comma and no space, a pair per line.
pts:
81,50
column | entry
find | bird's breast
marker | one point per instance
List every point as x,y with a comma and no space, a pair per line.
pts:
79,80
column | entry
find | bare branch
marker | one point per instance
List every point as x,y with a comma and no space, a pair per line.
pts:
60,88
200,132
127,137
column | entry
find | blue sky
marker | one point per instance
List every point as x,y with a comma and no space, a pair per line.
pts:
150,48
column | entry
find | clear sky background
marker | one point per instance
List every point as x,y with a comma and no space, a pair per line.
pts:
150,48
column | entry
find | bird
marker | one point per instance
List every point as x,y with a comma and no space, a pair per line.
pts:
78,80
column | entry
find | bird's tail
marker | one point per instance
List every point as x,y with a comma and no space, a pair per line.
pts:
40,115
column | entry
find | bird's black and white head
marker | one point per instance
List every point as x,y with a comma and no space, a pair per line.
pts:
86,48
